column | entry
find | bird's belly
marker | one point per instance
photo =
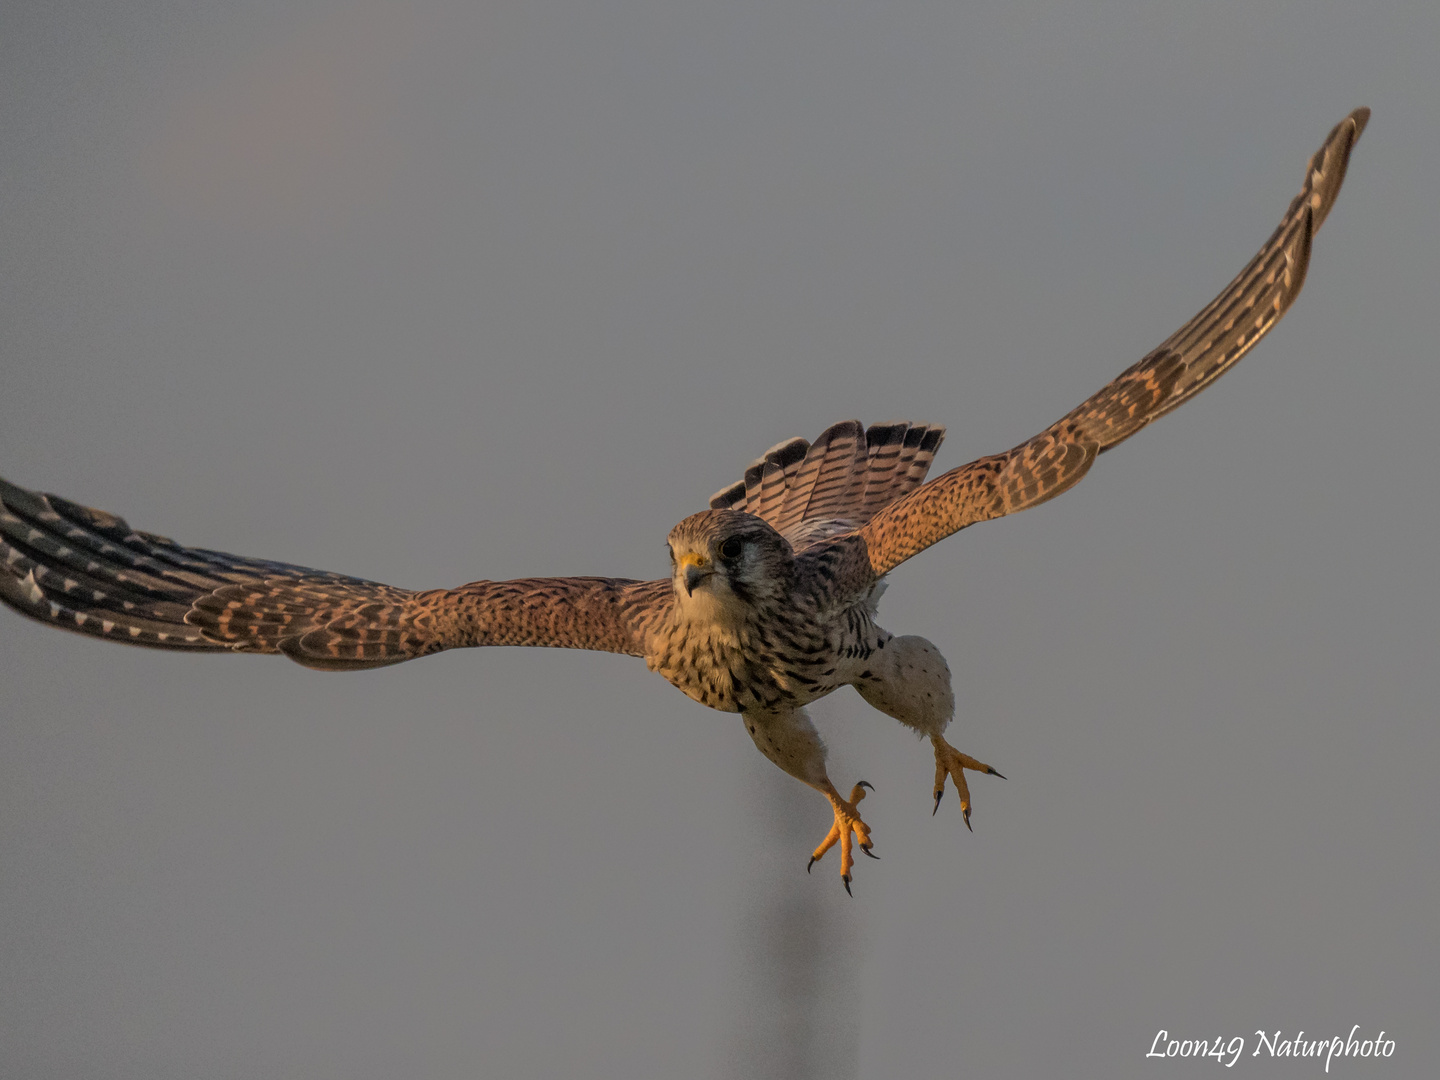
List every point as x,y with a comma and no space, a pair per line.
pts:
747,684
715,694
737,673
765,694
751,684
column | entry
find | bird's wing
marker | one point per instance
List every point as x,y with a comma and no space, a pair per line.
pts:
88,571
810,491
1193,357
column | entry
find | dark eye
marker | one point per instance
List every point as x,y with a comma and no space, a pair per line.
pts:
731,548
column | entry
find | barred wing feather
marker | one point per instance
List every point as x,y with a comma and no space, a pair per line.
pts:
1188,361
89,571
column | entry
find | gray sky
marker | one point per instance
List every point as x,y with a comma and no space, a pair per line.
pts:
429,293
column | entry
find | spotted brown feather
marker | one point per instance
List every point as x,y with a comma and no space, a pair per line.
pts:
89,571
1188,361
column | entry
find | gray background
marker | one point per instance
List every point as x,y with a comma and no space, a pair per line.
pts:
426,293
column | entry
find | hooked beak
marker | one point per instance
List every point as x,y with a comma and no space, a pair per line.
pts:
696,571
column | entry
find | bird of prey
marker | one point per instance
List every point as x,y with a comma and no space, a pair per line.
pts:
771,598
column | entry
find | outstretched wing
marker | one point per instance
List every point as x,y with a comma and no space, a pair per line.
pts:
810,491
88,571
1193,357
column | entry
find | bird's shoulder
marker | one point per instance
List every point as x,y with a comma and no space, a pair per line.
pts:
836,572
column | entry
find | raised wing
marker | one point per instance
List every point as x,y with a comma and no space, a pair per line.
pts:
1192,358
88,571
810,491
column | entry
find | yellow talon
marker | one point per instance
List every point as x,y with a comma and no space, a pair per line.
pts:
847,821
951,762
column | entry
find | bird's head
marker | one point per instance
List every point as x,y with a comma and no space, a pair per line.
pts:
725,561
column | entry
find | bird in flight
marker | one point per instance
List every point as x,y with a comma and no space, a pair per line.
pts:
771,598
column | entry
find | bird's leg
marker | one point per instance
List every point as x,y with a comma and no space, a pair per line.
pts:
951,762
789,739
847,821
907,678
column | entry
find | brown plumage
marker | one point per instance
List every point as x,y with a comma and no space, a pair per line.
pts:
773,590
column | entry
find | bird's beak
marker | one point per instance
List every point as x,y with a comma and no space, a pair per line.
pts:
696,571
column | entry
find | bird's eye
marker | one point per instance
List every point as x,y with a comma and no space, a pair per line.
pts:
731,548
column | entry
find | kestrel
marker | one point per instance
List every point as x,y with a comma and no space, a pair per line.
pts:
772,592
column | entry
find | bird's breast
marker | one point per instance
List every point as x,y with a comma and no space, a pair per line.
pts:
783,658
705,662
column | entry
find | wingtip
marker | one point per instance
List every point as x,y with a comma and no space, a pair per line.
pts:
1329,164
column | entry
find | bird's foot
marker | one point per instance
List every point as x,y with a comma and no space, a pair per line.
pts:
847,821
952,763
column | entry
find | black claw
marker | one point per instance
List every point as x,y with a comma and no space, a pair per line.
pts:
997,772
938,796
846,882
872,855
866,783
810,864
967,820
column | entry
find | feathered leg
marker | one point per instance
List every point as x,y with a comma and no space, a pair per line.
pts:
908,679
789,739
